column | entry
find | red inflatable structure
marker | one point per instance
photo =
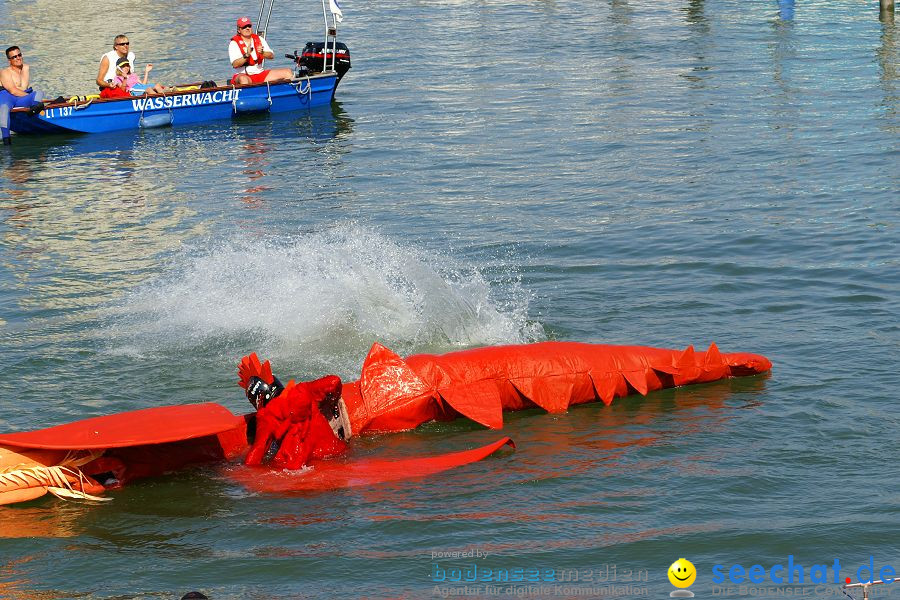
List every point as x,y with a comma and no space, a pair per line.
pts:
308,423
393,394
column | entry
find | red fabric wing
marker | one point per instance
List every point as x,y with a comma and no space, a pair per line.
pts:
330,475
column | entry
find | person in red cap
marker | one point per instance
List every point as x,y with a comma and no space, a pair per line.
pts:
247,52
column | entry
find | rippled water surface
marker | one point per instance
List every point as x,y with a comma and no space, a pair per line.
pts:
666,174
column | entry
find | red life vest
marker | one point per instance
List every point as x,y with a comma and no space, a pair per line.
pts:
257,45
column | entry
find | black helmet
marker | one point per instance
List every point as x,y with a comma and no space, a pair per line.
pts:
259,393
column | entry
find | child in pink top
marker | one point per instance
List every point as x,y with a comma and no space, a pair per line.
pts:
128,81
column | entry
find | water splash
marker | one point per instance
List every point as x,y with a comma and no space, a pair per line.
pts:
326,293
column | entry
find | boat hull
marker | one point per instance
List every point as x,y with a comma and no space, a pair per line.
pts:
178,108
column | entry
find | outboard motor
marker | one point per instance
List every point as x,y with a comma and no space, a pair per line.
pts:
315,60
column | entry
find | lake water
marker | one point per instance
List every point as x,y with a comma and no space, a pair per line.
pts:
664,174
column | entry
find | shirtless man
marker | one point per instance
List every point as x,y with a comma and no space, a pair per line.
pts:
14,90
247,52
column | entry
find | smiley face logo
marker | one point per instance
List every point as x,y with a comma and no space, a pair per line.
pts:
682,573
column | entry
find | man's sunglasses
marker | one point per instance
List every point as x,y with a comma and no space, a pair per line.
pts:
123,44
247,27
15,56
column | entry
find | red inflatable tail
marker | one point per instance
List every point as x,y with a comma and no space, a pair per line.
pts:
394,394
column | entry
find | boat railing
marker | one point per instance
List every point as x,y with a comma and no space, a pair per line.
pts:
865,586
330,34
259,21
265,9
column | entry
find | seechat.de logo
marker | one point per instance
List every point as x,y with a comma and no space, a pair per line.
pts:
792,572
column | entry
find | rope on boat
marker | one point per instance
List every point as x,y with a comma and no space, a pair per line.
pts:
269,93
85,105
171,112
147,102
298,87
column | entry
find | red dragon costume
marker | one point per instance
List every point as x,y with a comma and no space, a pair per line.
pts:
307,423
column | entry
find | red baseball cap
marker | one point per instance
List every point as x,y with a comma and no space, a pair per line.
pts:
243,21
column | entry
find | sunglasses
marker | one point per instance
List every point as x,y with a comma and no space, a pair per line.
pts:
15,56
247,27
123,44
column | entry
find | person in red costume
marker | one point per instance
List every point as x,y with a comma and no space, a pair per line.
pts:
291,426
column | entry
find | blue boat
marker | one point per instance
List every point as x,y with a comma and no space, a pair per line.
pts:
179,107
319,69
